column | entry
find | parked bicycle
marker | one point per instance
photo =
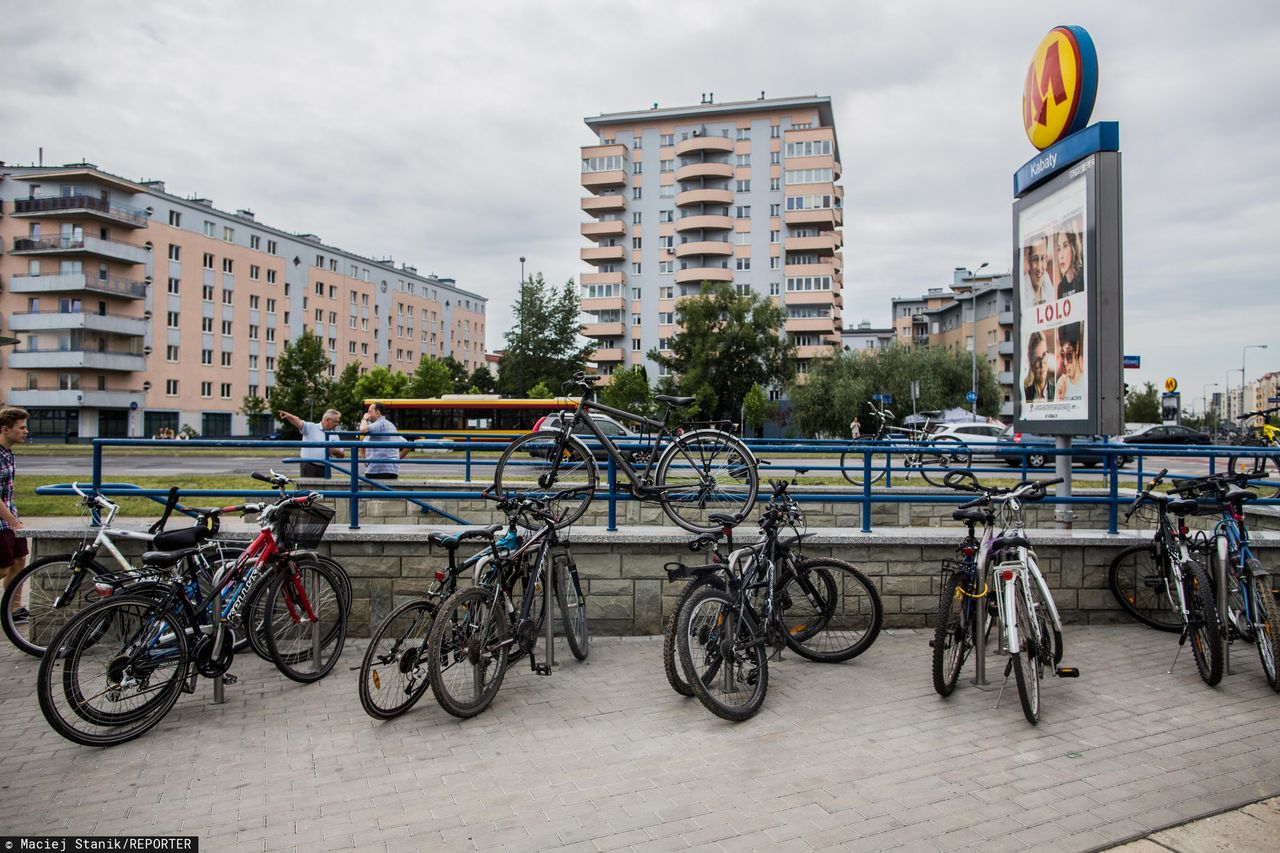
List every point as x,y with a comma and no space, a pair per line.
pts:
917,449
823,609
1162,584
479,631
1260,467
690,472
117,668
1030,628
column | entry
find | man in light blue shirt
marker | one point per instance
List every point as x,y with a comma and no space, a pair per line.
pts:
315,432
382,457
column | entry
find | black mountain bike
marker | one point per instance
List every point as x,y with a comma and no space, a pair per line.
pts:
931,456
691,473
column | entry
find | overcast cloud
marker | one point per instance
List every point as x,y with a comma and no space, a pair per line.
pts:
446,135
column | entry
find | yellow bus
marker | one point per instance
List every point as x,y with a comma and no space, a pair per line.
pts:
476,415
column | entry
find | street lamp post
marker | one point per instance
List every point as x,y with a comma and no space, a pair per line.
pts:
1243,353
973,306
523,342
1205,400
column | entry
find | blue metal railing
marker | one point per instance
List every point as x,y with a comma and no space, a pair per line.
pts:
797,458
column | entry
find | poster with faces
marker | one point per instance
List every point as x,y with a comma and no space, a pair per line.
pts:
1054,383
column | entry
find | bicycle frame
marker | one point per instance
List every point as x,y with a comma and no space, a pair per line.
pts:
1231,537
582,416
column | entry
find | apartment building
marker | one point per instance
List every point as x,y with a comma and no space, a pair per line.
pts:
742,193
946,319
137,310
864,337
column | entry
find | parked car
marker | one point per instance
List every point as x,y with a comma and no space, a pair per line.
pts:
983,438
1081,456
614,430
1168,434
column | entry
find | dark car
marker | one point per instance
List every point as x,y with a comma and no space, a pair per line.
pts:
611,428
1167,434
1080,455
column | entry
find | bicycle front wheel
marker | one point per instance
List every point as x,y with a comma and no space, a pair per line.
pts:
1258,468
113,671
939,456
675,676
724,662
1141,588
1028,663
1266,627
467,652
829,611
306,621
394,673
853,465
1203,626
704,472
43,597
953,633
545,464
573,607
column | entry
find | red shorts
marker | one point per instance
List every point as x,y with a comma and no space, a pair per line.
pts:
12,548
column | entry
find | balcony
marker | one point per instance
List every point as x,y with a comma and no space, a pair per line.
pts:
704,145
604,303
64,398
604,255
611,354
696,171
811,297
78,282
76,358
708,222
598,203
694,275
1006,318
692,197
1005,377
112,250
704,247
600,278
825,244
811,324
47,321
594,180
823,217
603,330
608,228
1005,348
814,351
78,206
792,270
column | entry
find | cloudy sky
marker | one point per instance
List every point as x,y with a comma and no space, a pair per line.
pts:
446,135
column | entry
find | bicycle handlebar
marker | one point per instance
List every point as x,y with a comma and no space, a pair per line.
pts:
1145,493
1261,413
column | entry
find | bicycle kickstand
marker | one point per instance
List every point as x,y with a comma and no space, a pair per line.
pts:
1008,668
1182,641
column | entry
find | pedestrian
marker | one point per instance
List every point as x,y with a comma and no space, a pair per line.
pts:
382,461
855,429
329,421
13,550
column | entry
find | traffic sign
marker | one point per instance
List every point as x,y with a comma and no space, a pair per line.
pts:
882,398
971,397
1132,362
1273,399
1171,385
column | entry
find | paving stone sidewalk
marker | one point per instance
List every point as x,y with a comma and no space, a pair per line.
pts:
604,756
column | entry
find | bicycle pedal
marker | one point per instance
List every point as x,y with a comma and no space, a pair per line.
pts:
542,669
228,678
931,644
1067,672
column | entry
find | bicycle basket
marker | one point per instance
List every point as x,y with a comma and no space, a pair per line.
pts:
303,526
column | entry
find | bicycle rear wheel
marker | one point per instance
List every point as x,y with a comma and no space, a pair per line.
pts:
1141,588
1257,467
723,661
705,472
306,621
113,671
1028,663
853,464
51,591
939,455
953,633
526,467
467,652
1203,626
394,673
573,608
1267,627
675,675
829,611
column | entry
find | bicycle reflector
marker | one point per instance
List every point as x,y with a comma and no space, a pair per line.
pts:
1007,574
440,576
968,550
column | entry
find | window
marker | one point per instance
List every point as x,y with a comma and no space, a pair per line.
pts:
742,289
226,359
635,345
774,288
775,236
775,209
635,319
175,252
666,292
271,276
744,211
635,192
636,242
271,246
208,260
255,272
637,168
319,315
602,164
666,267
206,324
774,158
271,333
635,268
666,216
775,131
666,165
209,228
666,318
255,242
667,139
808,176
226,297
226,328
635,293
744,263
811,202
206,292
635,218
206,389
742,160
271,306
206,356
743,238
775,263
171,387
253,302
667,242
228,234
174,284
253,362
173,320
175,219
808,282
171,352
351,347
775,184
744,133
809,148
744,186
320,261
271,362
333,291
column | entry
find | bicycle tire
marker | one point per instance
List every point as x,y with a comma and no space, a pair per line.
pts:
537,612
829,610
952,633
934,456
80,674
576,471
1256,467
675,676
853,465
1203,628
704,472
310,592
1140,588
1028,663
573,609
40,585
461,650
706,646
394,672
1266,634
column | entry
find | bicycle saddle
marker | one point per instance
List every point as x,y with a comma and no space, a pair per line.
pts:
165,559
727,519
675,401
451,541
976,516
172,540
1182,506
1010,541
1235,494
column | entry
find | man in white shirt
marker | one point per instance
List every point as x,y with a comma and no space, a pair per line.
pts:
316,432
1035,272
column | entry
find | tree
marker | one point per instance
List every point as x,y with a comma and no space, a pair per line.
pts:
382,384
543,346
432,378
343,396
1142,407
483,380
302,385
755,408
629,390
457,374
728,342
838,389
254,408
540,392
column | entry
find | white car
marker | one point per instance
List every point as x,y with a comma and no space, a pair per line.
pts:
982,438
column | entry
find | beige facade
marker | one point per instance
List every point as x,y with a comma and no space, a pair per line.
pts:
743,193
137,310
